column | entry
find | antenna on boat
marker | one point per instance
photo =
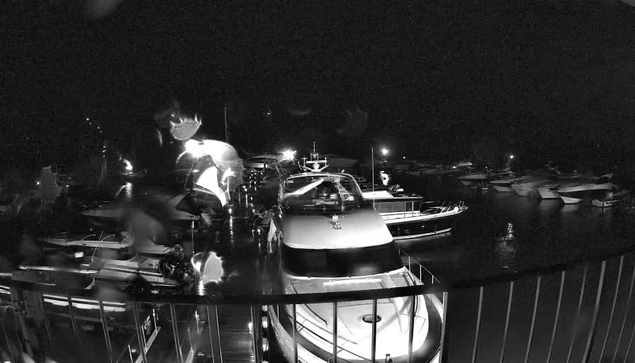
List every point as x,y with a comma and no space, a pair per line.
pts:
316,164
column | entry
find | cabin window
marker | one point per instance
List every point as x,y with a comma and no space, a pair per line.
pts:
341,262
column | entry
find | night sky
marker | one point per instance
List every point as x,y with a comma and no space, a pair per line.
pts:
436,79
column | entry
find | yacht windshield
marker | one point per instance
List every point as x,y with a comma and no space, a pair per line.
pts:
341,262
321,194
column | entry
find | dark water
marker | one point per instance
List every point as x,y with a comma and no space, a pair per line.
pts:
545,232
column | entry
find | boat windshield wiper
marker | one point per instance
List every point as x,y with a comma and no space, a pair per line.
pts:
306,188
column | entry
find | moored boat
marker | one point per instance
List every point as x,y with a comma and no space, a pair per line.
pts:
330,239
408,216
576,193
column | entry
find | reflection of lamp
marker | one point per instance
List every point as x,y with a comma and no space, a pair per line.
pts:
128,165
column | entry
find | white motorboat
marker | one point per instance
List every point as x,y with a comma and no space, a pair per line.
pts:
504,185
180,207
549,190
575,193
411,216
111,241
529,184
330,239
612,198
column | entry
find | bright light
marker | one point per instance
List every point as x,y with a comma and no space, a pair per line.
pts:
511,156
128,165
288,155
194,148
384,151
404,158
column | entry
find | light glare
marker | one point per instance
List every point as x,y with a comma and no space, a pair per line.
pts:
288,154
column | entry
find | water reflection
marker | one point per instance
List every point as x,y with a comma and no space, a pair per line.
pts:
125,192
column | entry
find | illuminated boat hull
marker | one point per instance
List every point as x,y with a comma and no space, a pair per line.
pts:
503,188
576,194
615,199
412,217
336,242
314,325
548,192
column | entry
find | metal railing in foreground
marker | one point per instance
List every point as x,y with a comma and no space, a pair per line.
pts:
579,311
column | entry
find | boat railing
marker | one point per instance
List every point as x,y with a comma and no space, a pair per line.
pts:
578,311
423,274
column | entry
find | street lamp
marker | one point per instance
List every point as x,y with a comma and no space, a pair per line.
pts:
288,155
384,151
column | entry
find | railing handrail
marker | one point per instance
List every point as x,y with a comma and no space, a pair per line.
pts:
273,299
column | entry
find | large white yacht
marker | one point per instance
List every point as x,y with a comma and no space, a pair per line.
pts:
329,240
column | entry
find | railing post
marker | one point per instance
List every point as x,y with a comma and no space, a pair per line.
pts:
578,310
444,346
214,335
175,334
478,323
555,323
140,333
295,333
628,304
594,318
335,332
72,315
411,330
104,325
47,325
617,290
533,319
507,316
373,343
255,323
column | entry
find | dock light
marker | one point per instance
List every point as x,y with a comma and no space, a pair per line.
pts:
288,155
265,323
250,326
384,151
265,345
79,254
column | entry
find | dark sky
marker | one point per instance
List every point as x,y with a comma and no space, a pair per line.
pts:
533,77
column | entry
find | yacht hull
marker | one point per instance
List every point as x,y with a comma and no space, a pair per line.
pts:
421,226
503,188
548,193
571,200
